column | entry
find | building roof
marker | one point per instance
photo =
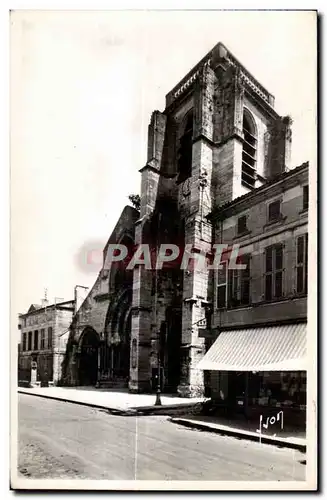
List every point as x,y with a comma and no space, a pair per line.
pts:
252,194
37,308
220,50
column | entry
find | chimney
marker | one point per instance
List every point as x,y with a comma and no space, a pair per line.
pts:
80,294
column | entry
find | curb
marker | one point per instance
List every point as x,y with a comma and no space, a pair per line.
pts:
238,434
135,411
114,411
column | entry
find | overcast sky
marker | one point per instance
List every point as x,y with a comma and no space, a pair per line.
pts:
83,86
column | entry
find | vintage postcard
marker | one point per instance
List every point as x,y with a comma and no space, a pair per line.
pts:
163,249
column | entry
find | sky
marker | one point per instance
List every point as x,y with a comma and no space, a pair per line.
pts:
83,87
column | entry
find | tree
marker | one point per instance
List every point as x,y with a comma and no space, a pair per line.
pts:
135,200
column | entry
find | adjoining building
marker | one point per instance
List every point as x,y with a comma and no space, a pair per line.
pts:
218,148
259,316
44,333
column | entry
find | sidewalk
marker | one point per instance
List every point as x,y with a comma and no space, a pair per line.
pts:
244,430
115,401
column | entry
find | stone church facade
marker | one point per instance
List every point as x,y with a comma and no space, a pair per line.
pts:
218,139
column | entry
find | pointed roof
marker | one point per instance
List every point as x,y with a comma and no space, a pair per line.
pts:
34,307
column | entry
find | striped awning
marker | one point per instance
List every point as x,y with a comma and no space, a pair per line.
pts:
271,348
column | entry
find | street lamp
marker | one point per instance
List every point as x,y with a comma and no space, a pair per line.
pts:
158,391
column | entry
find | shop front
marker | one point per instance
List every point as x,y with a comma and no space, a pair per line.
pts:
260,373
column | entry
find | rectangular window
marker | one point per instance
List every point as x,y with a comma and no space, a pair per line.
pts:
239,284
42,338
222,286
241,224
24,341
36,340
274,212
29,348
305,197
274,272
50,337
302,264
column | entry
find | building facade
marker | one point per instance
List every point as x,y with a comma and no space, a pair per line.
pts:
44,333
218,140
258,324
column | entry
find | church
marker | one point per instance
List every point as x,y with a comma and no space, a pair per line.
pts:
218,171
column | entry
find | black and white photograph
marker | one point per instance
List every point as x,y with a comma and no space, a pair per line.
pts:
163,247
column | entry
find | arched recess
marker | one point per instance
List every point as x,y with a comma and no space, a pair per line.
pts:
184,148
115,357
120,276
88,357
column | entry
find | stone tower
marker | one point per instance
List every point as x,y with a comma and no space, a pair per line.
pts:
218,138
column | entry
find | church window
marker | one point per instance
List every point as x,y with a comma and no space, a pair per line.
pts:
249,152
184,159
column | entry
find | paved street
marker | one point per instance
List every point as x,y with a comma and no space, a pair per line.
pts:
64,440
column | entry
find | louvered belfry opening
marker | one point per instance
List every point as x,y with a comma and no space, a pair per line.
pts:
249,152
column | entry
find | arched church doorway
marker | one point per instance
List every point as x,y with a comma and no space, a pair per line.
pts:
88,358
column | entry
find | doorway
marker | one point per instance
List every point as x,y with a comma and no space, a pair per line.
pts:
88,362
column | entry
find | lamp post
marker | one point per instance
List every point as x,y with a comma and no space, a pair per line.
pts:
158,391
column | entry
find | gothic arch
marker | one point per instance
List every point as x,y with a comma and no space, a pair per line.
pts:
117,330
249,120
121,277
184,147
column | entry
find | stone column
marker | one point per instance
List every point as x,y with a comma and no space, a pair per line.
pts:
198,235
142,304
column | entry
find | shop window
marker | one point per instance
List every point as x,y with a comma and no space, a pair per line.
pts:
274,272
36,340
302,264
184,159
50,337
24,341
42,338
305,197
242,224
274,211
29,348
249,152
222,286
239,284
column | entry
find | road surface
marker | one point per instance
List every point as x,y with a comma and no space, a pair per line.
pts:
65,441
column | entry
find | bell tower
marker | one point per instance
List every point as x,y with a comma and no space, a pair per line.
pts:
218,138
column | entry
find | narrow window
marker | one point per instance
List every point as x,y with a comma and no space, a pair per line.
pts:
222,286
36,340
302,264
134,353
29,341
42,338
185,151
239,284
274,212
305,197
241,224
24,341
274,272
249,152
50,337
